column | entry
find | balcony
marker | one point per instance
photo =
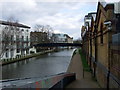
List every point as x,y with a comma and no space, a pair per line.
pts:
23,47
16,40
26,40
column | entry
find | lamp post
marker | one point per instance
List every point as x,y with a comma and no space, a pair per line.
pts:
95,62
89,44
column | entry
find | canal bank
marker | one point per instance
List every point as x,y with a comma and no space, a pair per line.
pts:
17,59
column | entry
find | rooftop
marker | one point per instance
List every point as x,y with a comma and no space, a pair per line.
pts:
13,24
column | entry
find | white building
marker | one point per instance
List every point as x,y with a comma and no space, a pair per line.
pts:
59,38
14,39
62,38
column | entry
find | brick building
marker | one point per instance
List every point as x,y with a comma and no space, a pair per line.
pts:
37,38
98,33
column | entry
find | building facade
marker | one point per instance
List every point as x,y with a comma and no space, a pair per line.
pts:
15,39
37,38
69,39
62,38
98,35
59,38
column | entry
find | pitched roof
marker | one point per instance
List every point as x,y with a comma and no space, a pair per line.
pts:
13,24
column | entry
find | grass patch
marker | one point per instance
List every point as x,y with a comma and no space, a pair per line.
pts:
84,61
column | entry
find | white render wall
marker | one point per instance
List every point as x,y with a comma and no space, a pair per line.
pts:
12,53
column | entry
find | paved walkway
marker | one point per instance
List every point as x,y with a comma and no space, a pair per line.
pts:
80,82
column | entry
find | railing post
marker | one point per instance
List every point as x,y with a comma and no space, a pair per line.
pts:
83,72
108,75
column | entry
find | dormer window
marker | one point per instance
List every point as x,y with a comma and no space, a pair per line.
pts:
22,30
6,27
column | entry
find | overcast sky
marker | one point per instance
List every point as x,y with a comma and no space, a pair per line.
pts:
64,16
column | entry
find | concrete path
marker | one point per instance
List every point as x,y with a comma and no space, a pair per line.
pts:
76,67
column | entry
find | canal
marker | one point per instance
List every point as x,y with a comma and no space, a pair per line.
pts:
41,66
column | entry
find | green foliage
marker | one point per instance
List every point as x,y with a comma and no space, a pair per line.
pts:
84,61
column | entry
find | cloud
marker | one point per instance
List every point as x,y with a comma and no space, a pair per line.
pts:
64,17
58,31
50,0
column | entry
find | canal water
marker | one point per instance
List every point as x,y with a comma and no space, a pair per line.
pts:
41,66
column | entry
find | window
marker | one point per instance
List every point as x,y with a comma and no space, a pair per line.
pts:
94,38
27,38
22,37
7,54
17,29
17,38
101,33
11,37
6,27
11,28
12,53
18,51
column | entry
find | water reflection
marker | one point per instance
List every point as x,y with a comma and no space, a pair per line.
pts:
44,65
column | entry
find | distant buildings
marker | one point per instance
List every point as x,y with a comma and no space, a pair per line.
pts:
101,39
14,39
59,38
43,37
62,38
37,38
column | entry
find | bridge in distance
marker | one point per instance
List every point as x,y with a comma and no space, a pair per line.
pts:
57,44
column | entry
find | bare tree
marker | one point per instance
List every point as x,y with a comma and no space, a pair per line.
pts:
49,31
46,32
39,28
7,35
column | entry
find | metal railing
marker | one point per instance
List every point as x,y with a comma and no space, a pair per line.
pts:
16,40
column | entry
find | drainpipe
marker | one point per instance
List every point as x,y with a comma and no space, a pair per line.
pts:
109,28
88,43
109,56
95,62
90,47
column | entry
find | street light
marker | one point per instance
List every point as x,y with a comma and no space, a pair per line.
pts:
108,24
